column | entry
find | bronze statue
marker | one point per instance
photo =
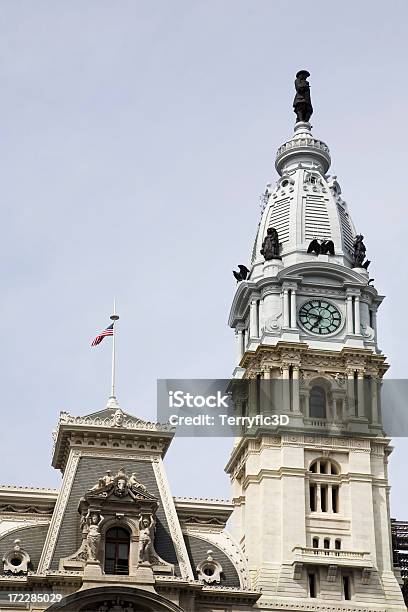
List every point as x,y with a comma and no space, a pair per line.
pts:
242,274
325,247
271,245
359,253
302,104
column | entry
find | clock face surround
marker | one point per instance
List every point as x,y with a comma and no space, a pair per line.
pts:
319,317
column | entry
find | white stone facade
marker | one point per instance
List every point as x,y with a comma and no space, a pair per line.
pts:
311,502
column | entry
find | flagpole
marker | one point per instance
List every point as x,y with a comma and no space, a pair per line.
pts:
114,317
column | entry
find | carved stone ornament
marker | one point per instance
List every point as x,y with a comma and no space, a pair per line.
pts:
367,331
16,561
209,570
119,497
120,485
273,324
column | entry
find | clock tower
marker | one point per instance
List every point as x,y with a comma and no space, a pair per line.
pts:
311,507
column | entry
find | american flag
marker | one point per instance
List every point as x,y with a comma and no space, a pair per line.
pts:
106,332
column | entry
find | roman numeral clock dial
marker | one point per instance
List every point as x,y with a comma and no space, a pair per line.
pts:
319,317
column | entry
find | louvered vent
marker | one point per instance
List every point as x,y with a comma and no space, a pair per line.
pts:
347,232
279,219
317,222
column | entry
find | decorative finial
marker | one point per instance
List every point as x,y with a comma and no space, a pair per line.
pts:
302,104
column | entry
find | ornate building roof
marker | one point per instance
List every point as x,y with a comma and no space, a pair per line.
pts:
304,204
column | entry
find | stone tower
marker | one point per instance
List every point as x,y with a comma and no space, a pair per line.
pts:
310,499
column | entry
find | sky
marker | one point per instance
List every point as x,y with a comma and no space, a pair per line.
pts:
135,140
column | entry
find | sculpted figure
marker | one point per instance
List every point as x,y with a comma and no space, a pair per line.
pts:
302,104
118,418
270,246
93,538
103,482
134,484
359,251
146,536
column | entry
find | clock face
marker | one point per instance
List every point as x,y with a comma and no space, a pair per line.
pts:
319,317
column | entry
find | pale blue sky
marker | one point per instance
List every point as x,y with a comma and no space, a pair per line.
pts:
135,139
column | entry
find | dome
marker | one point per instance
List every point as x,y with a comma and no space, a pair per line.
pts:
304,205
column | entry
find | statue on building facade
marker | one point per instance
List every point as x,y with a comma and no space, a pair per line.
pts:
242,274
323,247
302,104
93,538
271,245
359,253
147,554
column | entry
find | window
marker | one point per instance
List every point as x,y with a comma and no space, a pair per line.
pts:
315,542
317,402
312,495
324,486
312,585
117,542
326,543
337,544
335,498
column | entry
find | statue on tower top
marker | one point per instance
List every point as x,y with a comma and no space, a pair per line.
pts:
302,104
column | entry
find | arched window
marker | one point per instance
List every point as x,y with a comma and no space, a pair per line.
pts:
317,402
117,541
324,485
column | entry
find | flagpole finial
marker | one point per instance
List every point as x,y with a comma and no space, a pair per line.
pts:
114,316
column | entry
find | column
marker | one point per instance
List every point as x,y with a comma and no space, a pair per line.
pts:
350,394
350,319
295,389
253,396
318,498
329,498
253,319
293,308
374,399
285,308
285,389
360,395
266,400
334,409
240,344
374,322
357,315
